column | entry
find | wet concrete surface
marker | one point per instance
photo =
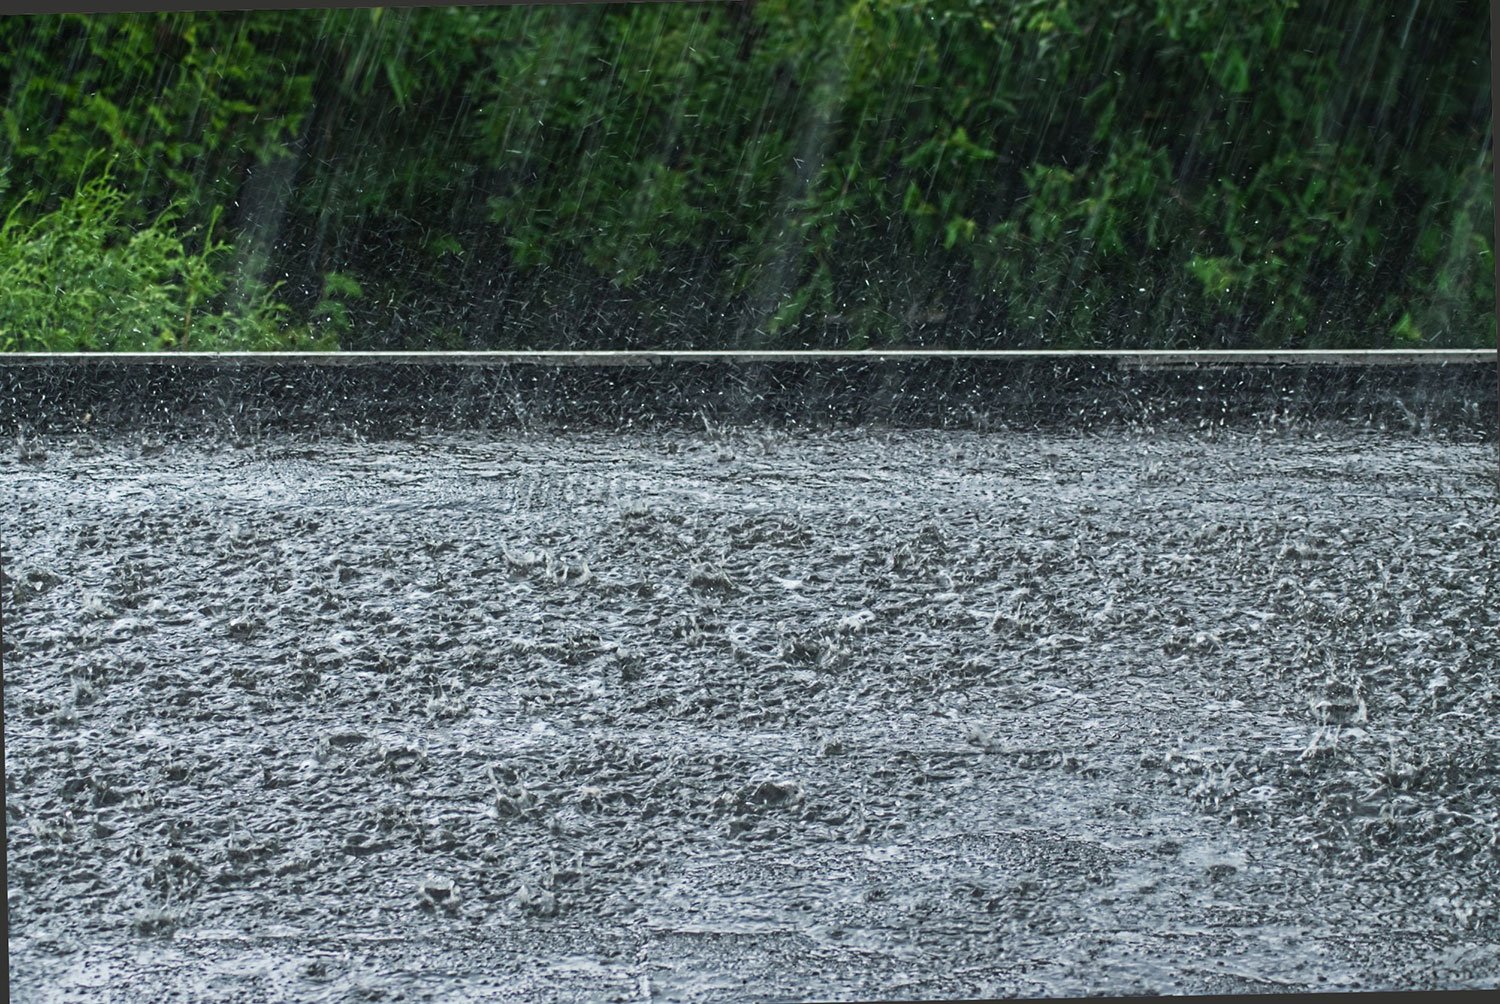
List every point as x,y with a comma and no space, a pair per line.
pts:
750,713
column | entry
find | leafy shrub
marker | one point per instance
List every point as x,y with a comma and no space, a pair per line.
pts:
973,173
78,278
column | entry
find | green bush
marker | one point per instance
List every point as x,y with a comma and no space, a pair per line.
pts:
79,278
970,173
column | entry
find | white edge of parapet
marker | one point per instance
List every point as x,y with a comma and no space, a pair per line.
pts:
1132,358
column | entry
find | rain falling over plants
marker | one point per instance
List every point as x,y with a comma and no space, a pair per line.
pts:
672,677
945,173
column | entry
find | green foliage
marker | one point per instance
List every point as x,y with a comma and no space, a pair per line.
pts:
78,278
181,102
331,311
794,173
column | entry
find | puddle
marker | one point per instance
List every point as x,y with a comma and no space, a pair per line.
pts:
844,716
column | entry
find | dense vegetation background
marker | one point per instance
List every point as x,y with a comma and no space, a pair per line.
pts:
964,173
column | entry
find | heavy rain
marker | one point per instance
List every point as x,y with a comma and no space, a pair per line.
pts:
750,501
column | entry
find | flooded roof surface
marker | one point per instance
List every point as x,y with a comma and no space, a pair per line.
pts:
750,711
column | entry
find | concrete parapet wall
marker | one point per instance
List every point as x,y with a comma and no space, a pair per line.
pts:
387,393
